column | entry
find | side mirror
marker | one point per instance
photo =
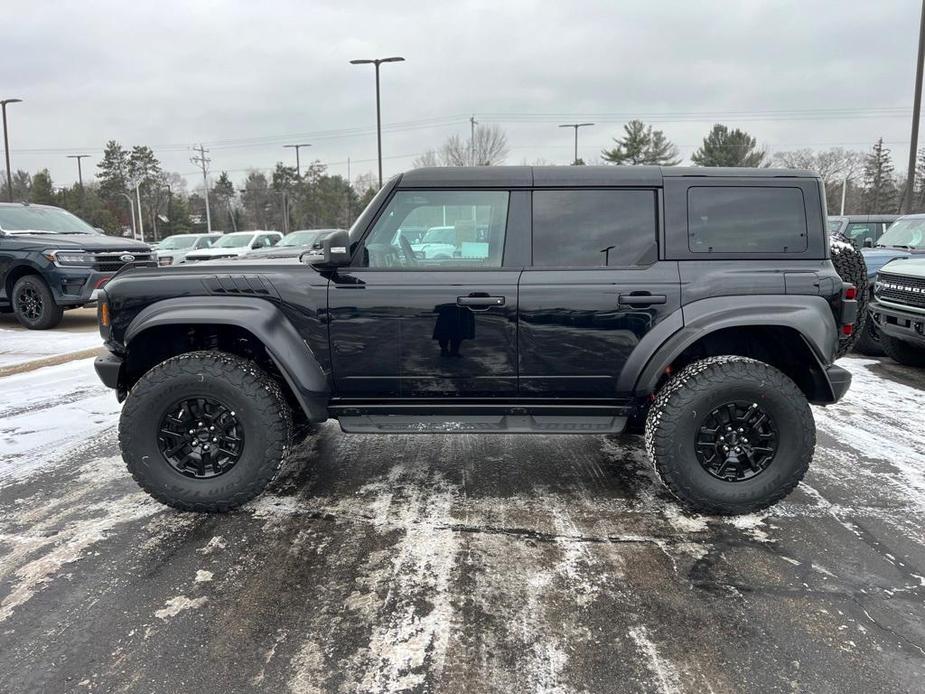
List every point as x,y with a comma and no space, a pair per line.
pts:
331,252
868,242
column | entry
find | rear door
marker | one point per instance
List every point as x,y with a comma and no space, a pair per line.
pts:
409,321
595,289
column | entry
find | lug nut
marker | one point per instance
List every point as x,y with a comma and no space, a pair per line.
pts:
215,440
192,431
212,428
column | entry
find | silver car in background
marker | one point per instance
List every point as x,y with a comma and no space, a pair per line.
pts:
173,249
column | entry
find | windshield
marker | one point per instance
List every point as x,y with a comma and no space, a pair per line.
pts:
47,220
907,233
173,243
440,235
299,238
233,241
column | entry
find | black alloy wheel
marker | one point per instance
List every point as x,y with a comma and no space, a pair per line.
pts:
201,437
736,441
29,303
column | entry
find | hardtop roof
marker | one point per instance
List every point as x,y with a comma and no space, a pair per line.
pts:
567,176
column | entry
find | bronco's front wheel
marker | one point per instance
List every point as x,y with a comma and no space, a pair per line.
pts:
730,435
205,431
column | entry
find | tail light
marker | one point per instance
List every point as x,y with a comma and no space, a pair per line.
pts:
850,293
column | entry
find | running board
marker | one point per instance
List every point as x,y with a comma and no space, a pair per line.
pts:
481,424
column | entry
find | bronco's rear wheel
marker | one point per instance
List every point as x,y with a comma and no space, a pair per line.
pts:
730,435
205,431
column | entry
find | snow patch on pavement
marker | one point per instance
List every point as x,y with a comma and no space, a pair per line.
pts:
21,346
874,421
667,680
179,604
47,411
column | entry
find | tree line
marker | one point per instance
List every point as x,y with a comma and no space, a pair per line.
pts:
287,199
283,200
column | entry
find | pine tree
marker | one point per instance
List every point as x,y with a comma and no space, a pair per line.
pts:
43,192
641,144
223,194
113,171
918,194
725,147
879,181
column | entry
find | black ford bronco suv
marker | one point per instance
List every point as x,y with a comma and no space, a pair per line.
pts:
51,260
701,304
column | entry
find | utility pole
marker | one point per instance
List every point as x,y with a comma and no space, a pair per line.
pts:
472,123
377,62
6,148
916,109
581,125
80,176
844,190
202,161
298,165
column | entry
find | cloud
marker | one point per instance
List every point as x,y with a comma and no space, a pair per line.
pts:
245,77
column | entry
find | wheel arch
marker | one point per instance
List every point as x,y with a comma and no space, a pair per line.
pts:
250,327
17,272
796,335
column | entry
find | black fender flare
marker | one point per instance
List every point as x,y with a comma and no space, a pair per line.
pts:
810,316
293,357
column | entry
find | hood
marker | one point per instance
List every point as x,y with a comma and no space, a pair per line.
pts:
213,252
909,267
85,242
876,258
276,252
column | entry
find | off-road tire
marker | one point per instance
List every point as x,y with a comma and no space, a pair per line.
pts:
868,341
676,415
902,352
850,266
50,313
238,383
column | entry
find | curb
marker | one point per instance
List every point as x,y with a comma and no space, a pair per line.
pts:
54,360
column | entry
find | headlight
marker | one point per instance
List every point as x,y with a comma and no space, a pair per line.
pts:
70,258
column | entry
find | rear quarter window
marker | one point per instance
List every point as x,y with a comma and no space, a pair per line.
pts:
746,219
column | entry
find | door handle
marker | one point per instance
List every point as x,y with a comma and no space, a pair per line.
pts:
480,303
642,299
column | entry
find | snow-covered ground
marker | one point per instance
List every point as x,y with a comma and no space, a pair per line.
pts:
19,346
459,563
46,411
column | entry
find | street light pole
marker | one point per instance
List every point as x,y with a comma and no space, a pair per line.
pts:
377,62
80,176
916,110
141,221
298,165
6,147
576,126
131,208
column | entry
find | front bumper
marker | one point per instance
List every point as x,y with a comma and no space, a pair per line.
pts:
908,326
75,286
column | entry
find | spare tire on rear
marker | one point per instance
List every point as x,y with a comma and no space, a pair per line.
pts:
850,266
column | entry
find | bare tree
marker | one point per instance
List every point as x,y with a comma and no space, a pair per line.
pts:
488,148
836,166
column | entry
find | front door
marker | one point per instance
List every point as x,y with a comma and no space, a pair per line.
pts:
595,288
428,310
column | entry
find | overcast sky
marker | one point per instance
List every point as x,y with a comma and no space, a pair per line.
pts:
247,77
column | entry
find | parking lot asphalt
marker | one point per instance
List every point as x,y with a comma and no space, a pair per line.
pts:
460,563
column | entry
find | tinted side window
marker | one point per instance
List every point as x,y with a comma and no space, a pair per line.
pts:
594,228
741,219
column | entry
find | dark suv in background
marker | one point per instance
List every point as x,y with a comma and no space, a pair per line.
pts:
701,304
51,260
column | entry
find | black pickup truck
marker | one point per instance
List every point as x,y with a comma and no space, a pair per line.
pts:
699,304
51,260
